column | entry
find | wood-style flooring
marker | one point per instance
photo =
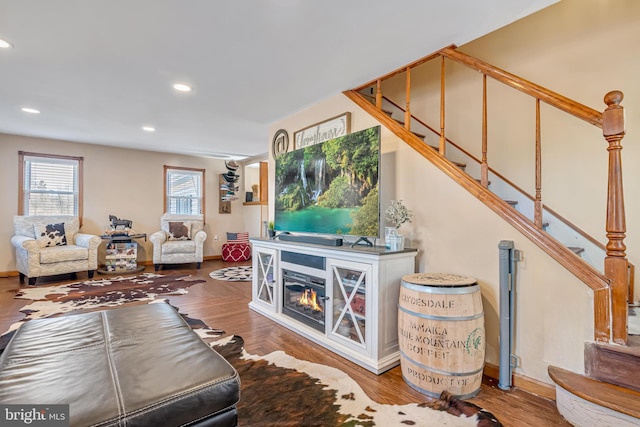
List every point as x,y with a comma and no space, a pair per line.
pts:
223,305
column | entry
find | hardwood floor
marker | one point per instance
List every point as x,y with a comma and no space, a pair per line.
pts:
223,305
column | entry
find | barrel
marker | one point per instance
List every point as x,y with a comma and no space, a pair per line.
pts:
441,333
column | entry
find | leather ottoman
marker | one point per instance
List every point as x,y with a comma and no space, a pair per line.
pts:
235,252
135,366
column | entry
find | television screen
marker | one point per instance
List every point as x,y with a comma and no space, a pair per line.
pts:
330,188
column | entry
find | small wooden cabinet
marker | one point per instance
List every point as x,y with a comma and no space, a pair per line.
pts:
354,291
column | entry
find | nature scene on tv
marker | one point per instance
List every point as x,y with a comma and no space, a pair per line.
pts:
330,188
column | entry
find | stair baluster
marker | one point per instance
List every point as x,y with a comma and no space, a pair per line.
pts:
616,263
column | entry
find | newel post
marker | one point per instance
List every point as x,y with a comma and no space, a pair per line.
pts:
616,263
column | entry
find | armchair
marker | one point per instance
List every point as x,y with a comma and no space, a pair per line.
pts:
180,240
49,245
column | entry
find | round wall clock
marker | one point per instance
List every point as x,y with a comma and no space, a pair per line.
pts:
280,144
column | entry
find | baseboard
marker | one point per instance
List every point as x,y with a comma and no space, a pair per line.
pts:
7,274
211,257
525,383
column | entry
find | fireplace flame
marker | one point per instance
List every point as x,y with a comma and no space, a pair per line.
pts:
309,298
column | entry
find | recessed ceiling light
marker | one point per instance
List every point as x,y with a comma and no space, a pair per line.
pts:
30,110
148,128
182,87
5,44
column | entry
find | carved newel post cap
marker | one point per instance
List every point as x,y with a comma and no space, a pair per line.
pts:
613,116
613,98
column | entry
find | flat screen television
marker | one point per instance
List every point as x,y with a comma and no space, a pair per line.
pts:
330,188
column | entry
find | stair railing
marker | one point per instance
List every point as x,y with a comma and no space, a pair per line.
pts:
594,250
610,290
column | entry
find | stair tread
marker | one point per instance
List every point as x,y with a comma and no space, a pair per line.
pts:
372,99
512,202
576,250
617,398
419,135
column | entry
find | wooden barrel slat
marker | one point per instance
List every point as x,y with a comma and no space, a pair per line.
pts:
441,333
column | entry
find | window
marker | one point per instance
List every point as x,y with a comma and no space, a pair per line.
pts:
49,184
184,190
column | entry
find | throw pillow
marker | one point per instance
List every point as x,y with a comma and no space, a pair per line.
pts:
238,237
50,234
179,231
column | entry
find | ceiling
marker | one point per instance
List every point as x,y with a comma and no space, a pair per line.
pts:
100,70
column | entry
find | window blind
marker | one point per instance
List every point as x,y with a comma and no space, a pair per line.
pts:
184,192
50,186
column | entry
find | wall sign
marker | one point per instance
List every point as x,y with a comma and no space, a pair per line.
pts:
280,144
323,131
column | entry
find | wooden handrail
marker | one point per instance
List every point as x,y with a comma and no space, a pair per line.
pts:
402,69
562,219
552,98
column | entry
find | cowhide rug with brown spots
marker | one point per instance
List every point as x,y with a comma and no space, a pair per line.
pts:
110,291
276,389
280,390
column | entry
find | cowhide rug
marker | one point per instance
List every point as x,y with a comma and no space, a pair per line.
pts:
233,274
110,291
280,390
277,389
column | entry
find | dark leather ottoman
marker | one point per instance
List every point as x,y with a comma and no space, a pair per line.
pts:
133,366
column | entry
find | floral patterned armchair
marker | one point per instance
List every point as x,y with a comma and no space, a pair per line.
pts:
180,240
49,245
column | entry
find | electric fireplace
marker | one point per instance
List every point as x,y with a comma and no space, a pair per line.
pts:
304,298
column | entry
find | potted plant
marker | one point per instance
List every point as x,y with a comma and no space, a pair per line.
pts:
271,229
397,214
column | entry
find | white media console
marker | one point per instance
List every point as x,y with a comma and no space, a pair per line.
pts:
342,298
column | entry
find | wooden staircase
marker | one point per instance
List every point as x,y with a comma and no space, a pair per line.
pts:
611,383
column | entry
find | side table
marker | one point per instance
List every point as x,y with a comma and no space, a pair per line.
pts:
121,254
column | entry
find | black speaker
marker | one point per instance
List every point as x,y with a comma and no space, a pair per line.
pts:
316,240
248,196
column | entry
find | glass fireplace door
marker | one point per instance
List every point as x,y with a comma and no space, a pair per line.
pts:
349,316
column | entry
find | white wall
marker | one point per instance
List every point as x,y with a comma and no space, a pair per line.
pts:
122,182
